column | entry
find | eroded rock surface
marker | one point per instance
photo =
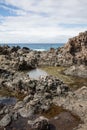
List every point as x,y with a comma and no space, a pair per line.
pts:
76,102
75,50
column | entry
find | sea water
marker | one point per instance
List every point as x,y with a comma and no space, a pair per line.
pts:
37,46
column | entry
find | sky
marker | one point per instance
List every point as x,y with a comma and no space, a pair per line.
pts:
41,21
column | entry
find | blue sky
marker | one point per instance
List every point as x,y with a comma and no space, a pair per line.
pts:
41,21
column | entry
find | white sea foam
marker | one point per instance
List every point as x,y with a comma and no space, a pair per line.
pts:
39,49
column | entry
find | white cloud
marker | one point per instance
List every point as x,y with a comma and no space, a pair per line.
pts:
40,20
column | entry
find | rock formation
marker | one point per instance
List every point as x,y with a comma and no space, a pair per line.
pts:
75,51
40,94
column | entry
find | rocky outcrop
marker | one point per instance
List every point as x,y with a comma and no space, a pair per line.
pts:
16,58
48,58
75,51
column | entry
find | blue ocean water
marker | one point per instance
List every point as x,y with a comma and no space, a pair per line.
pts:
39,47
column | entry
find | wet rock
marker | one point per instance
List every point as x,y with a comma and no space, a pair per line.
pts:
26,48
40,123
6,120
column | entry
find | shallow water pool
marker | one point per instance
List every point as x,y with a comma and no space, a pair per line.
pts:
36,73
8,100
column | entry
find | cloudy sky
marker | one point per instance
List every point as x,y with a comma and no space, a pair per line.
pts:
41,21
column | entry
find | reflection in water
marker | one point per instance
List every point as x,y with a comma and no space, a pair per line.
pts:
36,73
8,100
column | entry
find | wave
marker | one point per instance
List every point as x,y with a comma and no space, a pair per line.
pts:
39,49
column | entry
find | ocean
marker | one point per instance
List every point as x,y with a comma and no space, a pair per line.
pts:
36,46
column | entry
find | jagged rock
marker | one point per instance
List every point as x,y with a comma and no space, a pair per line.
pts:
75,51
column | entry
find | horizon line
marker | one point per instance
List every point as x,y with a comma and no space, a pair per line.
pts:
33,43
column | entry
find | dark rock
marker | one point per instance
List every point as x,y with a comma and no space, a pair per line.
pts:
40,123
4,73
15,49
4,50
26,48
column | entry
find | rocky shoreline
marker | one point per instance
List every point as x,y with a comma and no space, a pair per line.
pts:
39,95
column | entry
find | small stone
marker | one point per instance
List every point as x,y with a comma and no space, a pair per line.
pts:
56,117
